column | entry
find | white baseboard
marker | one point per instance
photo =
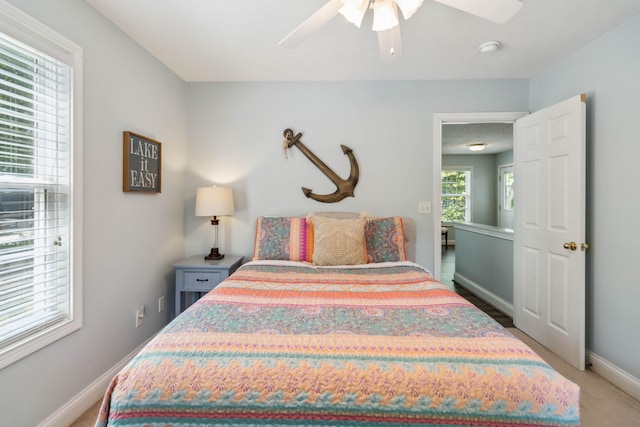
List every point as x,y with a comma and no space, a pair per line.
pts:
614,375
77,406
499,303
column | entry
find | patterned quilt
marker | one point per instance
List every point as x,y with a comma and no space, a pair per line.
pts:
284,344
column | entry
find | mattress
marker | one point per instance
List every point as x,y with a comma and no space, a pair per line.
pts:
287,343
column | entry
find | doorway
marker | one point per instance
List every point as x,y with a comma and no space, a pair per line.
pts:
440,120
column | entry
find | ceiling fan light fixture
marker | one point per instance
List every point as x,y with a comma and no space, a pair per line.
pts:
408,7
385,15
478,146
354,10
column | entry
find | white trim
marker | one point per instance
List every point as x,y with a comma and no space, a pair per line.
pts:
487,230
437,194
438,120
482,293
29,30
607,370
74,408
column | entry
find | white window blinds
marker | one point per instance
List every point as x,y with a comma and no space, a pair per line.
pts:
35,219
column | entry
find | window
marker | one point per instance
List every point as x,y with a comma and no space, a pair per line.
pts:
507,190
456,194
40,291
505,196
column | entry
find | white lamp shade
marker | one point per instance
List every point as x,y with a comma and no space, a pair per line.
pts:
214,201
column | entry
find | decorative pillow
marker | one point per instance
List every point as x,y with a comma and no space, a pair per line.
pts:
338,241
385,240
283,238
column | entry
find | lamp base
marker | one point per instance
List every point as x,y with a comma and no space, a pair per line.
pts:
214,254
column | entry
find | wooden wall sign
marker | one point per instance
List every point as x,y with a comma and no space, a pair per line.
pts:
141,164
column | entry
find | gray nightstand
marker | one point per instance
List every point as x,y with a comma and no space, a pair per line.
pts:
196,276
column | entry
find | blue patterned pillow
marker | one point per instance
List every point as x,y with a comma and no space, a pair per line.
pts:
283,238
385,240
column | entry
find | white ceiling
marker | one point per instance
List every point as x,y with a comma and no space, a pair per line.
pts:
457,136
237,40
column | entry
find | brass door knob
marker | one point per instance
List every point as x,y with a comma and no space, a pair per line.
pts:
571,245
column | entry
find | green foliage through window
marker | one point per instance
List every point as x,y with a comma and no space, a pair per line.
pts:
16,113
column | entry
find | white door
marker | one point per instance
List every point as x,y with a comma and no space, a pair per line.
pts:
549,228
506,200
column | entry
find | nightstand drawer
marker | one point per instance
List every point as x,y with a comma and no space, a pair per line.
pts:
201,280
196,276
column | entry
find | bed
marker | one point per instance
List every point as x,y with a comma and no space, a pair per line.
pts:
286,342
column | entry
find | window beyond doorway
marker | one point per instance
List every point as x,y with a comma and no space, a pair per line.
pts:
506,196
456,194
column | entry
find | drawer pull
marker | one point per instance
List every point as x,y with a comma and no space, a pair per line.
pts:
202,280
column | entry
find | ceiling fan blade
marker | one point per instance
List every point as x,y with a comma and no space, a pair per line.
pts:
312,24
390,44
498,11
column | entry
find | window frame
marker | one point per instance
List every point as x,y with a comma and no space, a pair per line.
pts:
22,27
468,170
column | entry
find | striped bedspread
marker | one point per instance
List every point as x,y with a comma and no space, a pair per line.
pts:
284,344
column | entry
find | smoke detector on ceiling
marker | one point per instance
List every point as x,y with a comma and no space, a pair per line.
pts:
490,46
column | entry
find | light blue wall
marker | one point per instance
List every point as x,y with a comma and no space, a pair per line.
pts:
504,158
487,261
607,70
235,138
130,240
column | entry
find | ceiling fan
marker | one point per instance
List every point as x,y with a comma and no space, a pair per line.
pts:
385,18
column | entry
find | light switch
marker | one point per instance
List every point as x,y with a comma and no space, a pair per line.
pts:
424,207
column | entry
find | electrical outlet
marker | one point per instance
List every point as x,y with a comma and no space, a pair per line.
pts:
161,304
424,207
139,316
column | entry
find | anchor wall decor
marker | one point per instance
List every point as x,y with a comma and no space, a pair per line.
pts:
344,188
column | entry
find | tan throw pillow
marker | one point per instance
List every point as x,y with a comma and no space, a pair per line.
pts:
338,241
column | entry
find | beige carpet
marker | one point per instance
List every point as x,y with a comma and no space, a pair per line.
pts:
88,419
601,403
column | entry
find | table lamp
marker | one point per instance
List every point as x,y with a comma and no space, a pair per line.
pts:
214,202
